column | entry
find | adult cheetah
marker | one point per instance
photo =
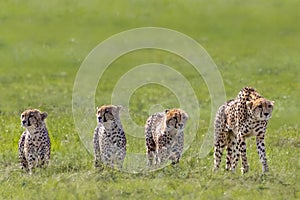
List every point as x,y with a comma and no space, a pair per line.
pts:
109,138
246,115
34,145
164,136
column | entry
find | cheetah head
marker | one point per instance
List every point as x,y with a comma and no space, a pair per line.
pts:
176,119
107,113
248,94
33,118
261,108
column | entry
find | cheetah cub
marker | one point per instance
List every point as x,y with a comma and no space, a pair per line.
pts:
164,136
34,144
109,138
245,116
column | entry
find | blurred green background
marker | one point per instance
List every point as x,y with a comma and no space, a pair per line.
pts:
42,45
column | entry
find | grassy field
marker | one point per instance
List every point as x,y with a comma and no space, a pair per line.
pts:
42,46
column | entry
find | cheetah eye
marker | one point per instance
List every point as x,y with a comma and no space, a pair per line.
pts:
260,106
22,116
171,120
269,106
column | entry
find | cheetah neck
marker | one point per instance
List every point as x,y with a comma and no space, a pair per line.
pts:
172,132
34,130
111,125
168,131
255,121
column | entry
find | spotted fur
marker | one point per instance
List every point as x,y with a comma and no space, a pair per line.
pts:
165,137
246,115
109,138
34,145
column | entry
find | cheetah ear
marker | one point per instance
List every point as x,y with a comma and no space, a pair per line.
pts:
185,116
272,102
120,107
44,115
167,110
249,104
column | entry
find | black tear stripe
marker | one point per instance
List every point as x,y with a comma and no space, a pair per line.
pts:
104,118
176,122
28,124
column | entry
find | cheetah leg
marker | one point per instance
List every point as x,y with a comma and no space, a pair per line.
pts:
150,150
150,157
177,149
109,156
219,145
236,154
150,146
97,152
44,157
161,155
112,161
47,154
175,155
41,162
120,158
174,158
32,161
231,145
47,157
260,144
242,149
22,157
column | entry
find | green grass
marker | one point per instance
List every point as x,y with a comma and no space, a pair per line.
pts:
42,45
